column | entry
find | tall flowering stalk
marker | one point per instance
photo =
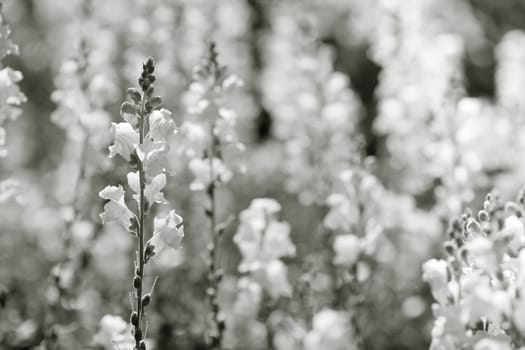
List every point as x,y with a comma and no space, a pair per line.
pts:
211,130
142,141
314,109
263,241
11,98
478,287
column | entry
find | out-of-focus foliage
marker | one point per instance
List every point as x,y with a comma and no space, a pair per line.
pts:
318,162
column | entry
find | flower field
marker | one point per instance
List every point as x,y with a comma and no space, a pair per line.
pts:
262,175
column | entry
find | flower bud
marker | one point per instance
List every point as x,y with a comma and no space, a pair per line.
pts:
137,282
134,319
149,252
134,95
146,300
138,334
483,215
155,101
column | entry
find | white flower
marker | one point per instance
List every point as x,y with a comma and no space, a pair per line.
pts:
249,297
9,188
260,238
435,274
260,210
347,249
203,175
343,213
152,190
10,95
492,344
126,140
161,125
519,315
275,279
517,230
168,230
116,209
262,241
482,253
113,330
277,242
154,156
330,330
268,206
193,140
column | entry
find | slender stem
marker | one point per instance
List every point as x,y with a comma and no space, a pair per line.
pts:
216,339
142,208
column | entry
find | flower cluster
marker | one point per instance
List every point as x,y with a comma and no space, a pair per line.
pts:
478,287
316,113
355,213
330,329
142,141
263,242
11,97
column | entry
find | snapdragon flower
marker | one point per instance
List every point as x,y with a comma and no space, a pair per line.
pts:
113,330
330,330
263,241
142,141
11,98
478,286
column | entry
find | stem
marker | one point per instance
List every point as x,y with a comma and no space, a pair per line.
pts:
142,208
216,338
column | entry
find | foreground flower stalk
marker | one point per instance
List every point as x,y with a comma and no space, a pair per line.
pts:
142,141
139,271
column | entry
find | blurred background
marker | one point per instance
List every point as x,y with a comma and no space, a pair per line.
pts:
429,91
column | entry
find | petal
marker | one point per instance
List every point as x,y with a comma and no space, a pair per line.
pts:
134,182
125,140
161,125
168,231
153,190
116,209
112,193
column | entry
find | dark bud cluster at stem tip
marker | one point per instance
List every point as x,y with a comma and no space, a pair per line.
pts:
147,78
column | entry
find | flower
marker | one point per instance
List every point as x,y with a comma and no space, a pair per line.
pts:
329,331
126,140
515,227
113,330
249,297
194,139
152,190
262,241
492,344
274,279
10,95
161,125
168,231
347,249
435,273
260,238
481,252
116,209
154,155
343,213
203,174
